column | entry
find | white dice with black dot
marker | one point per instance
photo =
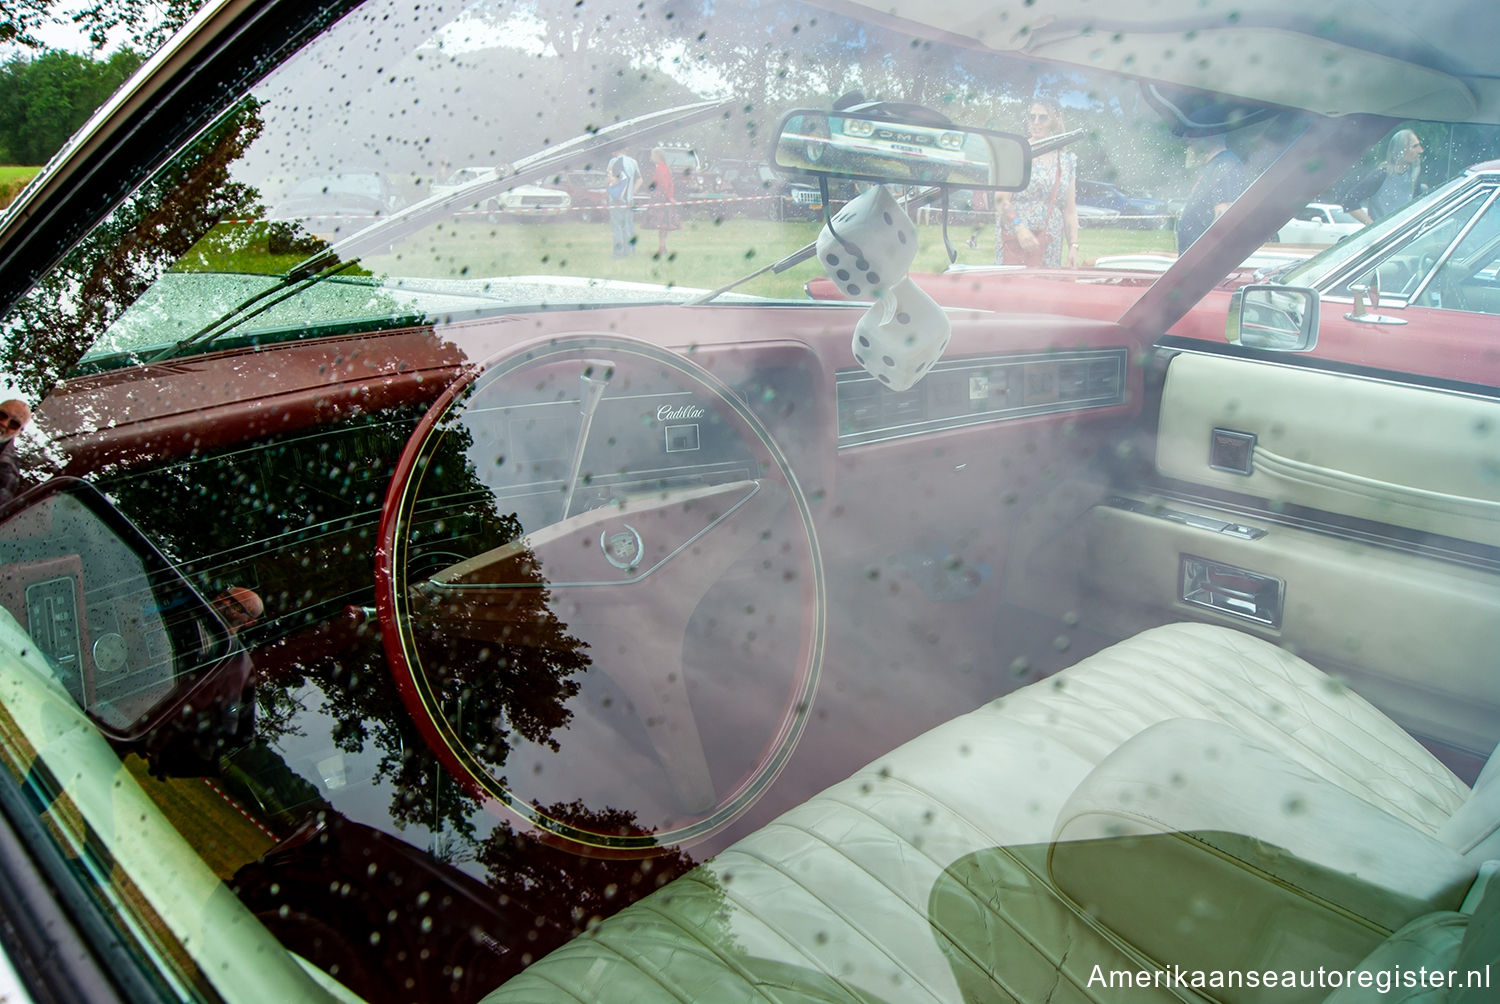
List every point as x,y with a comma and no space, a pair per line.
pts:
867,251
901,336
870,246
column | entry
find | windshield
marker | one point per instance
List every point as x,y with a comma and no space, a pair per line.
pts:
198,259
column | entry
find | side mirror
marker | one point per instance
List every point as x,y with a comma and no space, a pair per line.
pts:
1281,318
145,656
871,147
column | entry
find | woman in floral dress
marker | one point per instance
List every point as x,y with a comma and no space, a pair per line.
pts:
1039,224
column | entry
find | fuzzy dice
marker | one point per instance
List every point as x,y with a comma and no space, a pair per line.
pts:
867,249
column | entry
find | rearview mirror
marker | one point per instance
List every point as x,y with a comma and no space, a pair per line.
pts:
145,656
1282,318
871,148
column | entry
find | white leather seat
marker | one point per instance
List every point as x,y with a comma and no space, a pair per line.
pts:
928,874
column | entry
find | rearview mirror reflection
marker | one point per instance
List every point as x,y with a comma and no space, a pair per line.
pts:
834,144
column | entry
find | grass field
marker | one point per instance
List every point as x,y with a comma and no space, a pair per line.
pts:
704,253
12,180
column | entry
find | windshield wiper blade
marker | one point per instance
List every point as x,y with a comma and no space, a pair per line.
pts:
305,274
344,254
525,171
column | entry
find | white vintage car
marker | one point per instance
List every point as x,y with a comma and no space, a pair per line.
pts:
516,199
1318,223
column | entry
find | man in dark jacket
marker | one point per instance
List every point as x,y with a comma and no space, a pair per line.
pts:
1221,181
14,415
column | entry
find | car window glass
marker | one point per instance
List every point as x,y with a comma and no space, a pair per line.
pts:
1466,278
277,180
1403,269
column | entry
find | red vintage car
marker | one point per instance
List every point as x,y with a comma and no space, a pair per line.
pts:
1418,292
589,192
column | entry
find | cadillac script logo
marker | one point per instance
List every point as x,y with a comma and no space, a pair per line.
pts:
667,413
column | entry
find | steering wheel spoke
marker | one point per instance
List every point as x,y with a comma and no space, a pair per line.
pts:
629,541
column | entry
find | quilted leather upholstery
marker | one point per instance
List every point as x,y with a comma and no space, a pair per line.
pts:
1277,867
924,876
1263,692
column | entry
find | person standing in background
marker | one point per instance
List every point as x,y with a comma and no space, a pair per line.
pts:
14,414
661,216
1393,182
1039,224
1221,181
624,182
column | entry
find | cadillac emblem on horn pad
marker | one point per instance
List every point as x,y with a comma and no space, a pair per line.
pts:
622,547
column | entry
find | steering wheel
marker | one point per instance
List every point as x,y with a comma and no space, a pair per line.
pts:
1452,293
1425,264
601,594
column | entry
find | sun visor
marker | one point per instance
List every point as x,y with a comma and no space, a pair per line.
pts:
1208,46
1272,66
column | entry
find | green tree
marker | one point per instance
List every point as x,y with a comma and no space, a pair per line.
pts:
44,99
60,317
146,23
20,18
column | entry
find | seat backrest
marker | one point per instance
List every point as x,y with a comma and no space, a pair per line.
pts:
1463,947
1474,828
1478,962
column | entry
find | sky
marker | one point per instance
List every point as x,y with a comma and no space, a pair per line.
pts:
67,37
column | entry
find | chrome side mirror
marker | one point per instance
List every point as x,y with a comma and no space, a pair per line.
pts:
1280,318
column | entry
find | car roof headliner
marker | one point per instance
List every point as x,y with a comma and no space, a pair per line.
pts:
1394,58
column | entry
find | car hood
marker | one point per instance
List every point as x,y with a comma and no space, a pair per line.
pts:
1004,286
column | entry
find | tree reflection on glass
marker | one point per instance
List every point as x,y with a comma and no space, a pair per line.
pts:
567,892
316,498
51,328
492,689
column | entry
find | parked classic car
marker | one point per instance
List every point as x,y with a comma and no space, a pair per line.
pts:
1318,223
748,178
457,179
518,199
1138,210
329,206
637,628
587,193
